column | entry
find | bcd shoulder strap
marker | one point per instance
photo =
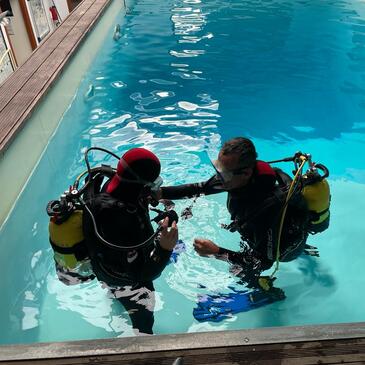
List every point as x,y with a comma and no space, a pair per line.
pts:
278,196
95,180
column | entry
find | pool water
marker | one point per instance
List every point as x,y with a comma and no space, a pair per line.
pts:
184,76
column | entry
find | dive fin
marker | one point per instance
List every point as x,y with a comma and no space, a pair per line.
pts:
216,307
179,248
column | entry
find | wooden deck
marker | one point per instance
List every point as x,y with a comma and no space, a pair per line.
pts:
325,344
25,88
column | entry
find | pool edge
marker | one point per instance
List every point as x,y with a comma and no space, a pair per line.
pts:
187,341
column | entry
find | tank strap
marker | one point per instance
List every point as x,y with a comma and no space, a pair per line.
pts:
282,178
278,195
316,215
267,203
79,250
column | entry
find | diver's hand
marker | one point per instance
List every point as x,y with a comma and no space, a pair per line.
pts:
168,237
205,247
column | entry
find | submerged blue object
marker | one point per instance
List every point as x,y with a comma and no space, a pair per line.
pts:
216,307
178,249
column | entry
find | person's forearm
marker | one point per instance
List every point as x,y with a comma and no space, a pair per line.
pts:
181,191
243,258
228,255
211,186
245,265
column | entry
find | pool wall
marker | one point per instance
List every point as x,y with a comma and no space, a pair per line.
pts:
67,64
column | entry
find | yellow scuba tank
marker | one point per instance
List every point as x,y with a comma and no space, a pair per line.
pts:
64,238
316,192
66,234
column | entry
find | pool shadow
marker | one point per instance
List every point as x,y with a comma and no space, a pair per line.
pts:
312,282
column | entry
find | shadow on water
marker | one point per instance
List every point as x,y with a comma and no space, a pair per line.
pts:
311,281
314,273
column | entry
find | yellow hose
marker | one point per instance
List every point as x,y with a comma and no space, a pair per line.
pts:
84,173
290,193
81,175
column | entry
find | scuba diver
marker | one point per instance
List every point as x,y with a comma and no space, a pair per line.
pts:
272,212
108,226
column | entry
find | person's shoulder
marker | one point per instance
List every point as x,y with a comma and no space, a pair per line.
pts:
265,175
264,170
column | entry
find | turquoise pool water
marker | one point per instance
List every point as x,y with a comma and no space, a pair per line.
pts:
184,76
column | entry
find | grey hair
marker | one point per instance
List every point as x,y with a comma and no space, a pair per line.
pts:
244,147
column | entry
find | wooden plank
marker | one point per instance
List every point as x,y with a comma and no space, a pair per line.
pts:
47,69
19,108
15,82
313,337
301,353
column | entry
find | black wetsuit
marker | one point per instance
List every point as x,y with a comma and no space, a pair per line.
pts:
255,212
128,273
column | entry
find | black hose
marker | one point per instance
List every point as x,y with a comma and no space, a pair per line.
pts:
287,159
97,149
326,173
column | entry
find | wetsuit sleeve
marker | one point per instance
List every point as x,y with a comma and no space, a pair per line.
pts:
245,265
211,186
155,263
232,256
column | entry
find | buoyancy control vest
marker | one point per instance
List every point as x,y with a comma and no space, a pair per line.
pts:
259,227
115,245
119,235
73,252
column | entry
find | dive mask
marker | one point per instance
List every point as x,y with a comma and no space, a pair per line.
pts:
155,185
227,175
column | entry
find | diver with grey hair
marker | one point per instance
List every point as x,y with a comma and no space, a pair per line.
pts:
256,198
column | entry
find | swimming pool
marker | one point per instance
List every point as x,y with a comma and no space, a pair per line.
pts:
183,77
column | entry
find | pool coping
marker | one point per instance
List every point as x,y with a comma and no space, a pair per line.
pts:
187,341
